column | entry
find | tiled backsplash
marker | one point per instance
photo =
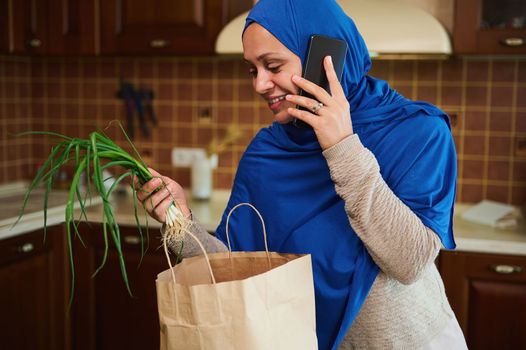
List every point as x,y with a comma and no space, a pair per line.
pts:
16,153
197,98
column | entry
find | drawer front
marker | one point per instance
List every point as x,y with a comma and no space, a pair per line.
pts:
130,238
500,267
20,247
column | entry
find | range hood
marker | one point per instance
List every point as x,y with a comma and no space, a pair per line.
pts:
390,28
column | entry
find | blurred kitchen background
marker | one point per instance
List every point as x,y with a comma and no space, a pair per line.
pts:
62,63
68,83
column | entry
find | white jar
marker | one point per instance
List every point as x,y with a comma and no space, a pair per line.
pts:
201,177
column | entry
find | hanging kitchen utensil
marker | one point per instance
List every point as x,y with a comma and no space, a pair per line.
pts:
147,97
134,104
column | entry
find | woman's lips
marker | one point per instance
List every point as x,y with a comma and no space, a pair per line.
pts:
276,102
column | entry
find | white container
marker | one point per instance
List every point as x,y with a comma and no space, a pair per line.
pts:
201,177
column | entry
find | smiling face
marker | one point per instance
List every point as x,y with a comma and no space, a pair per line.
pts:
271,65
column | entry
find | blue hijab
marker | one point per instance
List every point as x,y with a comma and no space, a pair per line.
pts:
284,174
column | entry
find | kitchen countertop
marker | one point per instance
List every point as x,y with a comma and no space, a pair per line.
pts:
11,199
207,212
469,236
474,237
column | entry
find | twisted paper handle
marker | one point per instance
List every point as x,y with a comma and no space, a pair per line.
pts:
262,224
202,248
183,229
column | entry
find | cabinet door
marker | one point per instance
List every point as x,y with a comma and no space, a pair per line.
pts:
160,26
4,26
105,316
48,26
490,27
28,26
488,294
32,299
233,8
71,27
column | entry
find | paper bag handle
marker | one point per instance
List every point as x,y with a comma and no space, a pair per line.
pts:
262,224
202,248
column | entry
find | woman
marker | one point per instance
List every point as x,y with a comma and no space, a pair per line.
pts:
368,190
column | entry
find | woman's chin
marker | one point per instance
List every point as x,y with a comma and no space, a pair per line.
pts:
283,117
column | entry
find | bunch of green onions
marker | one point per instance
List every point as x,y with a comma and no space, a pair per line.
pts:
88,155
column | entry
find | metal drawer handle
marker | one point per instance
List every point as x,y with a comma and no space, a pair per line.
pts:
132,239
26,248
506,269
159,43
512,42
35,43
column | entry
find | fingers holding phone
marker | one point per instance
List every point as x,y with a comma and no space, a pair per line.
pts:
328,115
314,71
334,81
321,103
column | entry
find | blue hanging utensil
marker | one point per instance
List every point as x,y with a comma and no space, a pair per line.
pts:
133,103
126,94
147,97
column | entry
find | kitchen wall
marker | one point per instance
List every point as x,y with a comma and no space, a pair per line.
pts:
197,98
15,116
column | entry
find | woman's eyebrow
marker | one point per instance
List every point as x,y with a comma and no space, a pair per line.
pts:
264,56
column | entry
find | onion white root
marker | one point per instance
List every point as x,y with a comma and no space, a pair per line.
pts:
176,227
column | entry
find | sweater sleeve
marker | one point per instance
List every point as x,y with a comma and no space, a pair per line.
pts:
190,246
397,240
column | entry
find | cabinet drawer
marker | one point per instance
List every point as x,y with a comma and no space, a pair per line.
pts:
496,267
130,238
19,247
487,27
166,28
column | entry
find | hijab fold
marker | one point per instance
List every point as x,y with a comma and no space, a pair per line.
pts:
284,174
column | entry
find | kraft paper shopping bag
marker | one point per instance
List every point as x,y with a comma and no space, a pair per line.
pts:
238,300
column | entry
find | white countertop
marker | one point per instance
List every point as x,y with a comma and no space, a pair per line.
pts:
475,237
207,212
469,236
11,199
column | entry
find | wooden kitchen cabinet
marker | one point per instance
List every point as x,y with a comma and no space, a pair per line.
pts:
4,26
72,27
116,27
104,315
488,294
61,27
27,25
160,27
490,27
33,299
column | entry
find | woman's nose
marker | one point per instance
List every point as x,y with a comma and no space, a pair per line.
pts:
263,83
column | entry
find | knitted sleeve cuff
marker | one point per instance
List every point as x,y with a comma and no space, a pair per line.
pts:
349,162
349,145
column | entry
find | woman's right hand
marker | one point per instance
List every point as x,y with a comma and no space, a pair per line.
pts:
157,202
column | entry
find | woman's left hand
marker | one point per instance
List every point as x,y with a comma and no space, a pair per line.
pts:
331,119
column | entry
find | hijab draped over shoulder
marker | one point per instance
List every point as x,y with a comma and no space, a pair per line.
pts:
284,174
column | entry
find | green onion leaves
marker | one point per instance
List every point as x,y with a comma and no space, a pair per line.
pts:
90,157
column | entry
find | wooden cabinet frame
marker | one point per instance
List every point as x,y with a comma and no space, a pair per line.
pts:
469,38
194,34
471,282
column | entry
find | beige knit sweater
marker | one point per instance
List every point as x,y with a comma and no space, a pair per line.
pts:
406,306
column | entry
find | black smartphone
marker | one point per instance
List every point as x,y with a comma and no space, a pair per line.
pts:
319,47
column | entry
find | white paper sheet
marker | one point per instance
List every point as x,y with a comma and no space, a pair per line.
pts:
488,213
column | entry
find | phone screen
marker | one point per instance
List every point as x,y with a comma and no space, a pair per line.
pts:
319,47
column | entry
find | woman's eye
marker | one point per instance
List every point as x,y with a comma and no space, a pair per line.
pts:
274,69
252,72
